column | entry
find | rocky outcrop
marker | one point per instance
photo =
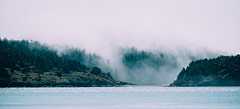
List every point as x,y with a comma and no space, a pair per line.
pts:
50,79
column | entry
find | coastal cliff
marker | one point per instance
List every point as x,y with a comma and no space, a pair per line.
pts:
220,71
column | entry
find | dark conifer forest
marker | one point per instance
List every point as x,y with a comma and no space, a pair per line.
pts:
24,63
220,71
22,55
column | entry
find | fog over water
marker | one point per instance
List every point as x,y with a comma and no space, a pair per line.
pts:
170,31
139,66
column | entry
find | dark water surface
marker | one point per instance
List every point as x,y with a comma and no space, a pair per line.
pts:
120,98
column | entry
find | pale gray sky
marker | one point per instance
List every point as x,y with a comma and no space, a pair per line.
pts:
99,24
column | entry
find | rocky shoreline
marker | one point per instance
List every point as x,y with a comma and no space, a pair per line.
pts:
122,84
50,79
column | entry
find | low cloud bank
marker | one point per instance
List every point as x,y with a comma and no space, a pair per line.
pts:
142,67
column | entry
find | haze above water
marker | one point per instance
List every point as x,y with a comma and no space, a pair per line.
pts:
186,30
98,25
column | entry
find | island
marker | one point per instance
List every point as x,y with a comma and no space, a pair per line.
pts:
31,64
220,71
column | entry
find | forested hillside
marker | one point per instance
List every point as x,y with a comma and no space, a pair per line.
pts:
135,59
220,71
24,63
147,67
90,60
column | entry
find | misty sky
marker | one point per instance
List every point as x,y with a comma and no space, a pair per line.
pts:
97,25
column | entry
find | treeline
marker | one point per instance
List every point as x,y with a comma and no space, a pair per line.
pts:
31,64
146,67
133,58
25,56
90,60
220,71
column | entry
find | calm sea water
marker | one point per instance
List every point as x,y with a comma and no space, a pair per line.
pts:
120,98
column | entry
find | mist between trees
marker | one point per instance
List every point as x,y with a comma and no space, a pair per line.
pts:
146,67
